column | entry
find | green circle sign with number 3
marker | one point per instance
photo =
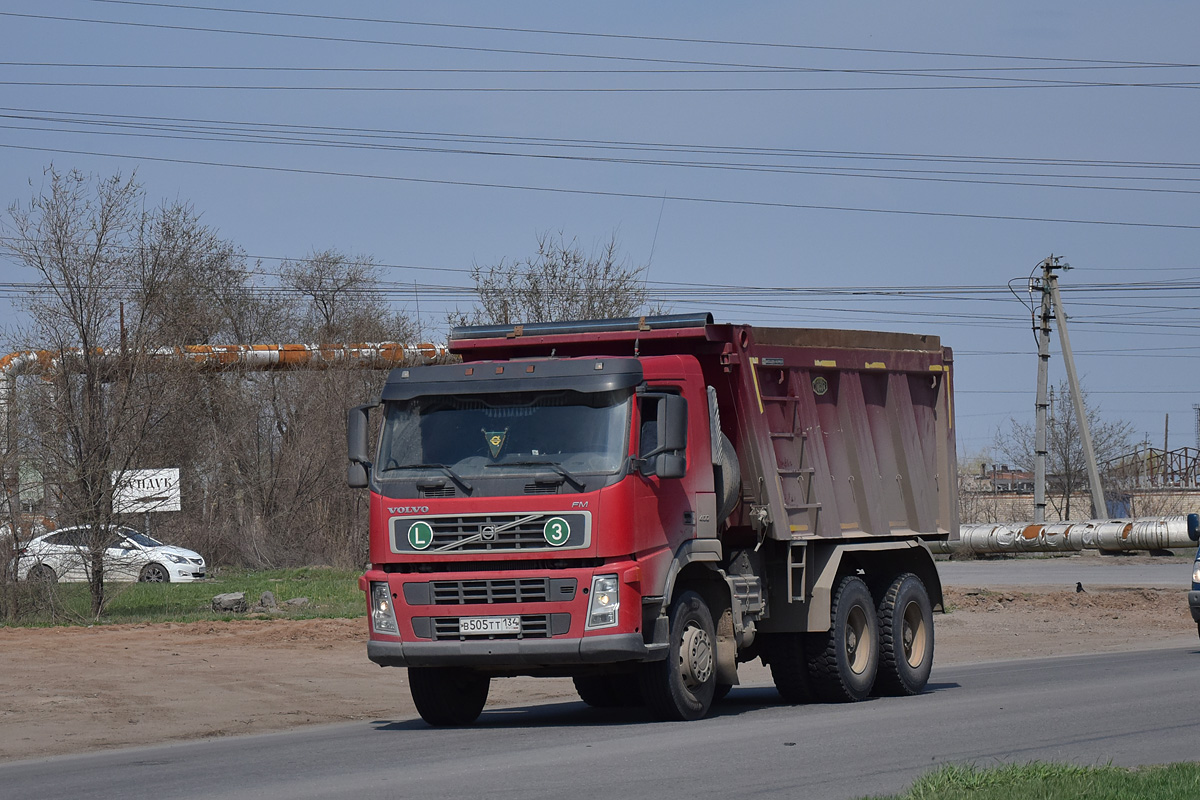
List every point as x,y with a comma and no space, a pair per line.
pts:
556,531
420,535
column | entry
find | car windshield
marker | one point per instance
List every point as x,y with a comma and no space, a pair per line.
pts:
494,435
141,538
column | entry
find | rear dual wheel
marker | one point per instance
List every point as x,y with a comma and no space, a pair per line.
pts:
843,661
905,637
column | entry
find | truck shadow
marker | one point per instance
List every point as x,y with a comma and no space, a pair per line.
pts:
574,713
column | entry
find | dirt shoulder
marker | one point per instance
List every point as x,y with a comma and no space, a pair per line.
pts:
70,690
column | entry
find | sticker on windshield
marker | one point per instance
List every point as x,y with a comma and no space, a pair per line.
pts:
420,535
495,441
557,531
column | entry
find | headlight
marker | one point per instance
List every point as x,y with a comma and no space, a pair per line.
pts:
604,601
177,559
383,617
1196,573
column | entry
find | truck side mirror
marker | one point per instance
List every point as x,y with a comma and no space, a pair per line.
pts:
672,423
666,458
356,446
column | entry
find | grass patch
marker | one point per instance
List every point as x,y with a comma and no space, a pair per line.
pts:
332,593
1041,781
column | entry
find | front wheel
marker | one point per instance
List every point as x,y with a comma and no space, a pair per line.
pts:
842,662
608,691
681,687
905,638
155,573
448,695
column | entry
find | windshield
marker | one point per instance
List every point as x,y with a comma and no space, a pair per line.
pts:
141,538
481,435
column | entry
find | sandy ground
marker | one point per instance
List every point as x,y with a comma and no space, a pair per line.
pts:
69,690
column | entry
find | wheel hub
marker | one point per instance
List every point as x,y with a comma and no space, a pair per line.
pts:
695,657
913,635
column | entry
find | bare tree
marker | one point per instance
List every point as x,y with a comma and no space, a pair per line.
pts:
560,281
341,300
100,261
1066,467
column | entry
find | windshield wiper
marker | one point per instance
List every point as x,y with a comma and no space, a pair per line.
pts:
554,465
449,473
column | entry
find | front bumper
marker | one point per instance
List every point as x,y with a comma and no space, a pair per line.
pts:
504,653
1194,604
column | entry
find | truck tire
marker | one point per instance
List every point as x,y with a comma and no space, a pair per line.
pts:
905,638
448,695
608,691
842,662
681,686
789,668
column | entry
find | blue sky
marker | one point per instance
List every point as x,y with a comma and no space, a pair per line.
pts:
869,152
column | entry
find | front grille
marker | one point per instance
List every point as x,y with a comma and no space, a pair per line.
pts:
490,532
533,626
491,590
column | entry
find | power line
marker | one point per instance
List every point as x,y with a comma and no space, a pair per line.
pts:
932,176
672,39
614,194
599,89
542,53
372,133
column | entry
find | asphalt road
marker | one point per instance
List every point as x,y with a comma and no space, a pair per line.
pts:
1091,570
1127,708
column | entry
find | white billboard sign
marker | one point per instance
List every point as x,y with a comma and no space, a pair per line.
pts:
138,490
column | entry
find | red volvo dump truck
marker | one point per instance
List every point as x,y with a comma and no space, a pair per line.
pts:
642,504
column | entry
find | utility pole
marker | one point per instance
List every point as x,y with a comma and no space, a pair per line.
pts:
1041,326
1051,299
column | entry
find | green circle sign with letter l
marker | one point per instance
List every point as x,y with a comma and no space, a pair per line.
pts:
420,535
557,531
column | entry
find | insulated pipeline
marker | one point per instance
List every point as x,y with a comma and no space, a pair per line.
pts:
1146,533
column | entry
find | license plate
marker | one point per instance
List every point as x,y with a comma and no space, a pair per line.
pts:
482,626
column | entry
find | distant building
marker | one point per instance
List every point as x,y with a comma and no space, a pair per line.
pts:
1000,479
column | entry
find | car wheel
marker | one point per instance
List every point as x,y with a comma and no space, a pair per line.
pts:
155,573
42,574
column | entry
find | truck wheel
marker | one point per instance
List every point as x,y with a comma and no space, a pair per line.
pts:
596,691
842,661
789,669
448,695
905,638
681,686
608,691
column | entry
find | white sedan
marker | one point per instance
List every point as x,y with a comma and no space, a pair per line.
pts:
128,556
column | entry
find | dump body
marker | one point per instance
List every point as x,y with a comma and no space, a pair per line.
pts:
587,498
